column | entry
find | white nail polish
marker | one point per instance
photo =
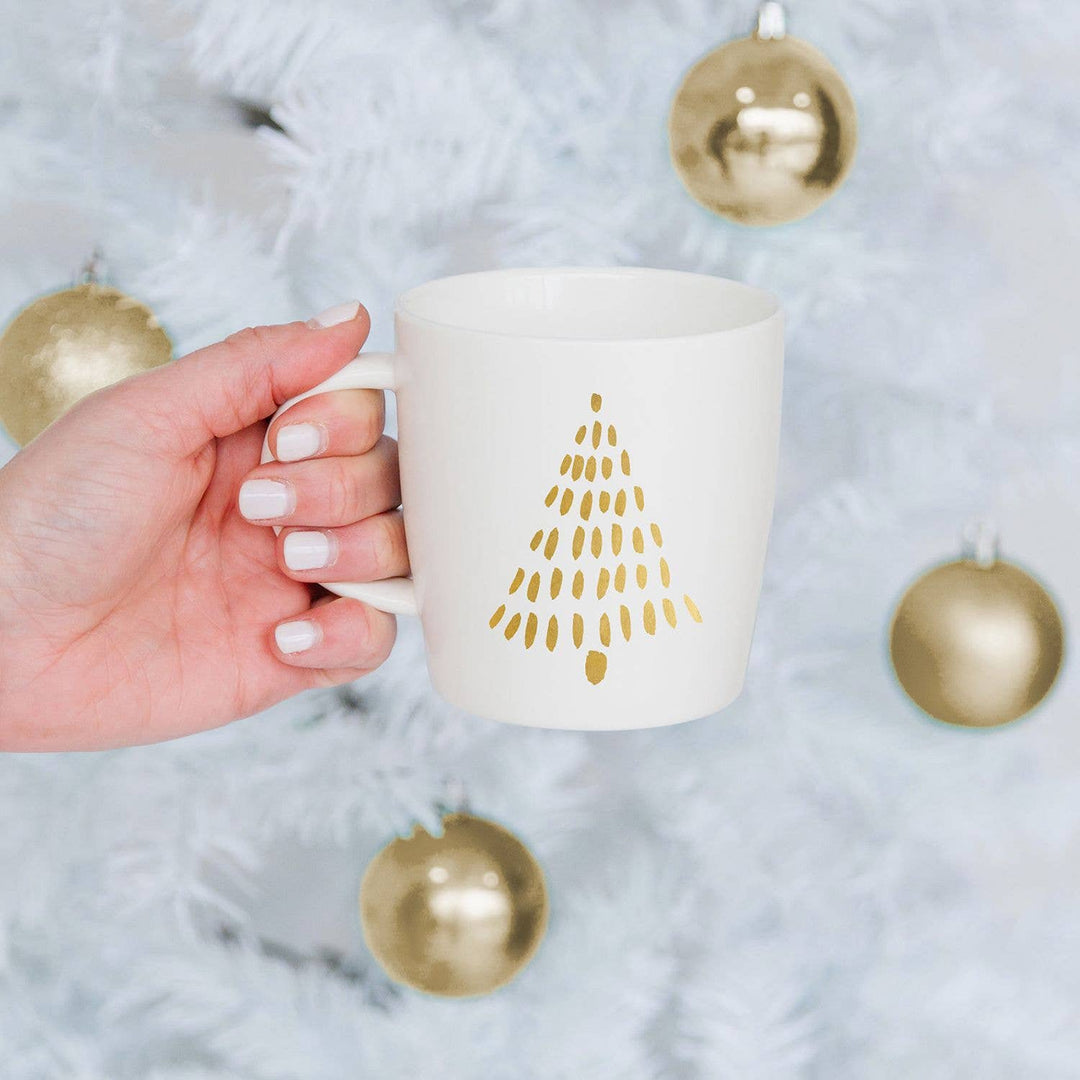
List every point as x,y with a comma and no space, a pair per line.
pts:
299,636
309,550
339,313
262,500
298,441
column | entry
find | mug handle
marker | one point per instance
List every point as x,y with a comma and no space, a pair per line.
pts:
369,371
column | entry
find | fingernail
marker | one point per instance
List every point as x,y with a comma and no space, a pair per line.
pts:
339,313
298,441
299,636
261,500
309,550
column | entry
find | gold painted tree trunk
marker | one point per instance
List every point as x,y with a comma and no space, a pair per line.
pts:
596,572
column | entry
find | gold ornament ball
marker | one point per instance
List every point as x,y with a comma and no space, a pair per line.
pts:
762,130
69,344
976,645
457,915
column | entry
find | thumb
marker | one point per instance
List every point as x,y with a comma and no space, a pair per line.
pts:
229,386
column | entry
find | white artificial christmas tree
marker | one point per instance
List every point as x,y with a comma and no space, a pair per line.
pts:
818,882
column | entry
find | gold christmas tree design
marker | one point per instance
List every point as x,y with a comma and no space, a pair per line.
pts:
596,573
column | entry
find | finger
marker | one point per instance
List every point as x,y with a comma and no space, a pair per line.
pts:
329,425
227,387
341,638
369,550
325,491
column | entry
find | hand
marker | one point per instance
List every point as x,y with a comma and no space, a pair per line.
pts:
139,601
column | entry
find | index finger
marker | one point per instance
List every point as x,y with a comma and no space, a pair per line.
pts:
336,424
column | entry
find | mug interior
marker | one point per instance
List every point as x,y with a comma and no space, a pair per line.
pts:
601,304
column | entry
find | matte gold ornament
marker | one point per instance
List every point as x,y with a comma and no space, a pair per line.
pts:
763,129
977,642
457,915
68,344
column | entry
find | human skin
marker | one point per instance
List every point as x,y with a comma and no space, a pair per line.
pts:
138,602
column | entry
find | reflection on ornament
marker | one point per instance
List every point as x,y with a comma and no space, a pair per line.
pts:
69,344
977,642
762,130
457,915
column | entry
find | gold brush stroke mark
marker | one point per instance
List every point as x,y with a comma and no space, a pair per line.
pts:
602,582
577,465
595,666
669,611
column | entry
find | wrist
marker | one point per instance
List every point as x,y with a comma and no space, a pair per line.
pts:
9,576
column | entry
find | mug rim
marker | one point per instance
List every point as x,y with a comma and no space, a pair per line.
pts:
401,304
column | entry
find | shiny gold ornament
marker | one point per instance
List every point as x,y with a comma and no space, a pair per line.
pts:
68,344
457,915
977,642
763,129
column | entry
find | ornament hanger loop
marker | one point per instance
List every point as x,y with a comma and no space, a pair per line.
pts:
771,21
93,269
981,543
456,799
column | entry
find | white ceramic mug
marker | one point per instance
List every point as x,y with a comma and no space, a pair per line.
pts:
588,464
